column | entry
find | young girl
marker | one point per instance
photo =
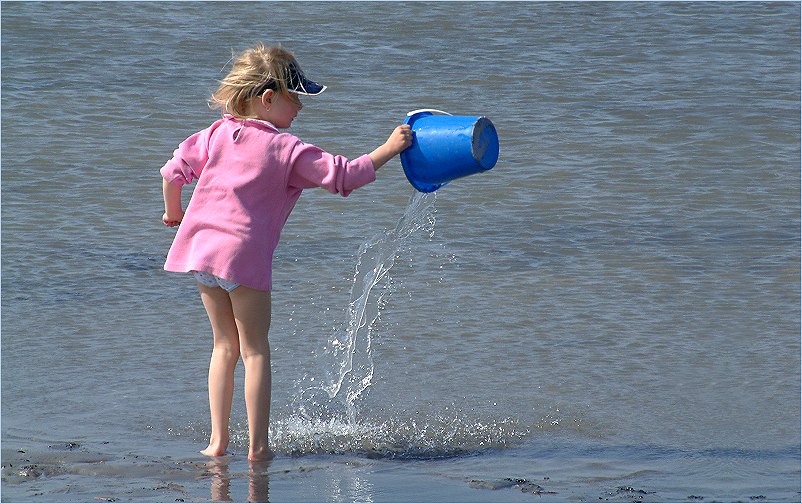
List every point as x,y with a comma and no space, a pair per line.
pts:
250,176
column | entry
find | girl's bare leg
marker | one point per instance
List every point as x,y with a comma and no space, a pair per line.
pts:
252,312
225,355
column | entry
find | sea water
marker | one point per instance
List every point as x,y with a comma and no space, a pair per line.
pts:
612,312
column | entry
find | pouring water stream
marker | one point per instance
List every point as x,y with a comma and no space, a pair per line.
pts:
375,259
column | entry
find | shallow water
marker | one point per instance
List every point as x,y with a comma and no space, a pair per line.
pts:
612,312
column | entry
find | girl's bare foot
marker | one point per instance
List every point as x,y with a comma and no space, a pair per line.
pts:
216,449
261,455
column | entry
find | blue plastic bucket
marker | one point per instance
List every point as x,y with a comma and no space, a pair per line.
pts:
446,147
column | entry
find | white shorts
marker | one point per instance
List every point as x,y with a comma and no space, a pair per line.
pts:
210,280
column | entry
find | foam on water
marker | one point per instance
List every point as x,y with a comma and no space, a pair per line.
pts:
398,438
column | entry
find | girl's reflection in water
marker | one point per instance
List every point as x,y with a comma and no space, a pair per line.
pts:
258,480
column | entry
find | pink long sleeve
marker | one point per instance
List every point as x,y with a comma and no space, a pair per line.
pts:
313,167
190,157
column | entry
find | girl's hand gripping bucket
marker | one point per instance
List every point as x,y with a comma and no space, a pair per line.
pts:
446,147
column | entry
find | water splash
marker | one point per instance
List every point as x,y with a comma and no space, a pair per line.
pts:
428,437
352,351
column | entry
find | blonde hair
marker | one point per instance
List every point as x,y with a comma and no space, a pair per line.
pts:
254,71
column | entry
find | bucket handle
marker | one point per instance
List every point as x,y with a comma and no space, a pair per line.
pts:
412,113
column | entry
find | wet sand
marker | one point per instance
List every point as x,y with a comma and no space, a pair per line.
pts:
71,471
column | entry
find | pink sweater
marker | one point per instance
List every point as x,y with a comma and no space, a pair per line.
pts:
249,178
